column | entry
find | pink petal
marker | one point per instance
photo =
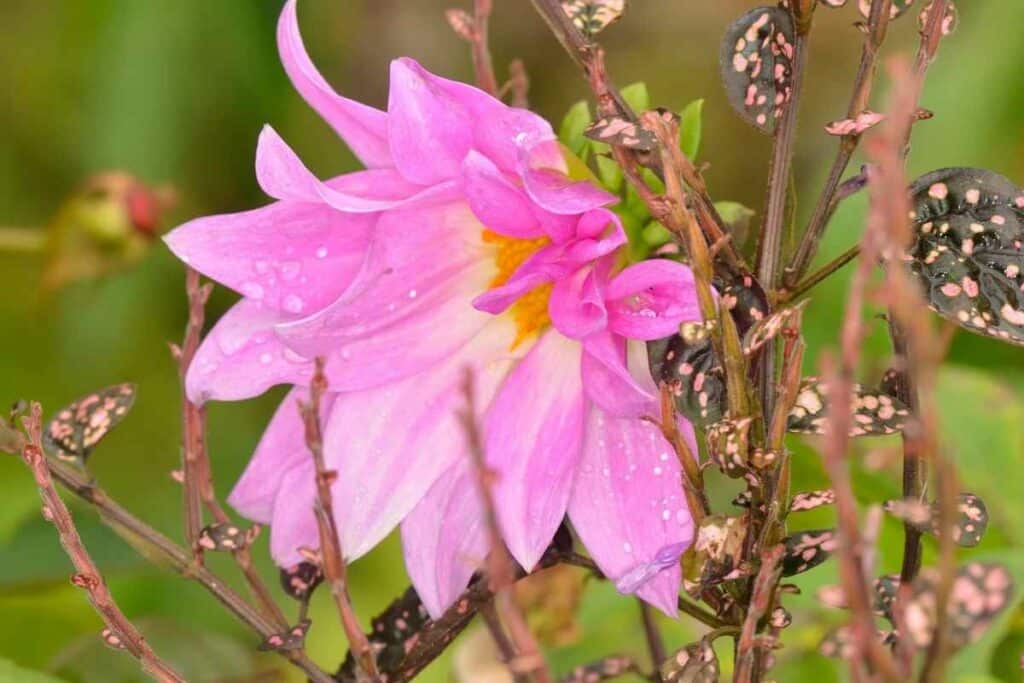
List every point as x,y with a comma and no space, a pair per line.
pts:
628,505
242,357
390,444
430,131
500,205
363,128
294,257
282,447
619,384
650,299
293,525
577,305
409,308
282,175
544,177
534,430
444,539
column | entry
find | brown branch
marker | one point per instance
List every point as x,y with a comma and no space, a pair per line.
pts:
655,643
518,84
473,29
193,417
122,633
878,24
156,547
332,559
196,469
761,597
500,568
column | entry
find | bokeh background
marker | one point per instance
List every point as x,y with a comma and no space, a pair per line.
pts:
175,91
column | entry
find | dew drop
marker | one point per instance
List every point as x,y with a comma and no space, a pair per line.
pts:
290,269
666,514
321,252
261,267
606,472
627,547
253,290
266,358
412,293
658,471
293,304
663,457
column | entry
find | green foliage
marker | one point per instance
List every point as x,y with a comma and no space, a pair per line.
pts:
637,96
690,127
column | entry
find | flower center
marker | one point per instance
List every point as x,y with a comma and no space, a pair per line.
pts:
530,311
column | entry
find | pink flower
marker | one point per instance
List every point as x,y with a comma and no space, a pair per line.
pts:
464,244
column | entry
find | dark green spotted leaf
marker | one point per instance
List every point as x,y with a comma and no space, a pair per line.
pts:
593,16
225,537
614,130
966,253
727,446
807,549
970,525
76,429
757,65
603,670
299,580
695,663
839,643
286,641
885,588
874,412
980,592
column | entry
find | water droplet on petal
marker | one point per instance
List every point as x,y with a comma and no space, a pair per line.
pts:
321,252
293,357
412,293
261,267
289,269
658,471
266,358
253,290
293,304
627,547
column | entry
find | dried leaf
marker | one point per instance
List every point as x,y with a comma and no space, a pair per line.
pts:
874,412
695,663
808,500
807,549
766,329
76,429
593,16
716,553
968,236
969,527
855,126
757,65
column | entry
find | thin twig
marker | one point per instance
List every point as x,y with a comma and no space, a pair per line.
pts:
655,643
196,469
193,417
500,568
518,84
122,633
878,23
332,559
819,275
156,547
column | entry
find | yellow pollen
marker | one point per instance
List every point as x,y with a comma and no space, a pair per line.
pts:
530,311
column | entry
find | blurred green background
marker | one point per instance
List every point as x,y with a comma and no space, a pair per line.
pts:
175,91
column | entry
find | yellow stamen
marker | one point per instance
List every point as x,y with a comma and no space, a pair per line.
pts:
530,311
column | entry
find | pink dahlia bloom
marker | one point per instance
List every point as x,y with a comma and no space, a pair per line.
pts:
464,245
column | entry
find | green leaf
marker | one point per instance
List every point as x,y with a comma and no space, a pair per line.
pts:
982,423
690,126
11,673
609,172
570,133
637,97
656,234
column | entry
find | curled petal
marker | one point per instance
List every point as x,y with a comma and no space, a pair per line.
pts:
650,299
577,304
615,376
544,176
628,507
293,257
363,128
282,447
280,172
500,205
444,538
533,433
429,129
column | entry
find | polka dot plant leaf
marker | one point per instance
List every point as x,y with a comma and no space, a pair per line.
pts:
695,663
874,412
968,236
593,16
76,429
756,65
805,550
969,526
